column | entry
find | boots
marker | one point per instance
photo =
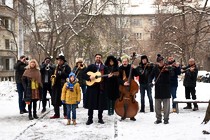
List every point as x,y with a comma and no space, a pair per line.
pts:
188,106
68,122
74,122
89,121
30,117
34,115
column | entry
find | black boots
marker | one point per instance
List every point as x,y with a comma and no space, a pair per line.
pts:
101,121
30,117
188,106
89,121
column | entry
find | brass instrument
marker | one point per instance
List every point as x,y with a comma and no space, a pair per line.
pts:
53,77
47,67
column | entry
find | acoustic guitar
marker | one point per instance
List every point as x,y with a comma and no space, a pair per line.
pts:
98,77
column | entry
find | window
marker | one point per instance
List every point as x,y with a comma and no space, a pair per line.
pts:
152,22
7,44
136,22
138,36
6,23
123,22
7,64
152,36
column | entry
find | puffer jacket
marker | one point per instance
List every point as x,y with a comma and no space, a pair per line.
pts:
71,97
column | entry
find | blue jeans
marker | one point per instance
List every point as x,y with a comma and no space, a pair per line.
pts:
71,107
83,87
20,91
173,94
148,88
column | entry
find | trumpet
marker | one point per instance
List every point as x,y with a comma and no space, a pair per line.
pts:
47,67
53,77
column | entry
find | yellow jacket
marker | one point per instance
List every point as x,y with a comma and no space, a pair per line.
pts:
71,97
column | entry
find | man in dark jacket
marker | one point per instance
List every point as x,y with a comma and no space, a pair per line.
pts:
162,90
60,74
144,70
95,95
190,79
78,70
46,70
175,70
19,70
124,71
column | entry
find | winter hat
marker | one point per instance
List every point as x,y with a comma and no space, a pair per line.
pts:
72,74
79,60
159,58
69,84
144,57
61,57
48,58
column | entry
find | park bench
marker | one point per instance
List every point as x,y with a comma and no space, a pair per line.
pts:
177,101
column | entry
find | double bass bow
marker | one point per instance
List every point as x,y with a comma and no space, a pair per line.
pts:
126,106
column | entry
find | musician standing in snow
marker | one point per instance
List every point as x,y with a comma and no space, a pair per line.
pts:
96,99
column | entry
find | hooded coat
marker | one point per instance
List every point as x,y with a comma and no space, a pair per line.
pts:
112,84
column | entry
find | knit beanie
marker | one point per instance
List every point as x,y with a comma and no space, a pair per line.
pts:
159,58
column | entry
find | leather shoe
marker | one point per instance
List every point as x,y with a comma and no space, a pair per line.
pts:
100,121
157,122
54,117
166,122
30,117
43,110
35,116
89,122
25,111
133,119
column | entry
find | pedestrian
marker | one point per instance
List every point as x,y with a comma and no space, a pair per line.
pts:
162,89
79,70
96,97
190,78
71,96
19,70
46,70
112,84
58,79
144,70
32,84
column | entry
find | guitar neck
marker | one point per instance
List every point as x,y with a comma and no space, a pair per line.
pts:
106,75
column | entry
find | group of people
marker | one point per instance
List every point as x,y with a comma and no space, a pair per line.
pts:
65,86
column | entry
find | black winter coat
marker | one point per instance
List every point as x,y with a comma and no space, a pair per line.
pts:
46,72
96,97
190,77
174,72
127,70
62,73
79,73
162,85
112,84
144,72
19,70
27,89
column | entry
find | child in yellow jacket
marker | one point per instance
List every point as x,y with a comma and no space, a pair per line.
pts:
71,96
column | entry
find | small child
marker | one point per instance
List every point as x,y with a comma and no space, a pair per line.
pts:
71,96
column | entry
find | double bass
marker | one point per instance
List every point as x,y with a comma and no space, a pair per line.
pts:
126,106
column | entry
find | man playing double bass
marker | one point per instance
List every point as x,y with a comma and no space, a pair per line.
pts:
96,99
124,71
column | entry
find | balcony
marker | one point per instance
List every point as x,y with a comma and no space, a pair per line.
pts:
6,11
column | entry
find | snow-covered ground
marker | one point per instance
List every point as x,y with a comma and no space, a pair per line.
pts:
185,125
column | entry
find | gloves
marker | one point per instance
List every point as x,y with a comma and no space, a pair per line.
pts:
77,102
151,84
63,101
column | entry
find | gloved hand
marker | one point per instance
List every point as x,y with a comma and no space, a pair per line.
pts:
151,84
77,102
63,101
59,72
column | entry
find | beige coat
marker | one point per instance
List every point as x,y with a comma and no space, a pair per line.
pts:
71,97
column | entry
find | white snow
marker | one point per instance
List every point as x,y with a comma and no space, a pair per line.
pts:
185,125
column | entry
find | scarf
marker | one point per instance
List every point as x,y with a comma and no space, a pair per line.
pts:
33,74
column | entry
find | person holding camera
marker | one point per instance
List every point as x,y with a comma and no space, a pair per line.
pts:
19,70
78,70
58,79
46,70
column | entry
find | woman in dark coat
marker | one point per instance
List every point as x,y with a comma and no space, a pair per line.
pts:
112,85
32,84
